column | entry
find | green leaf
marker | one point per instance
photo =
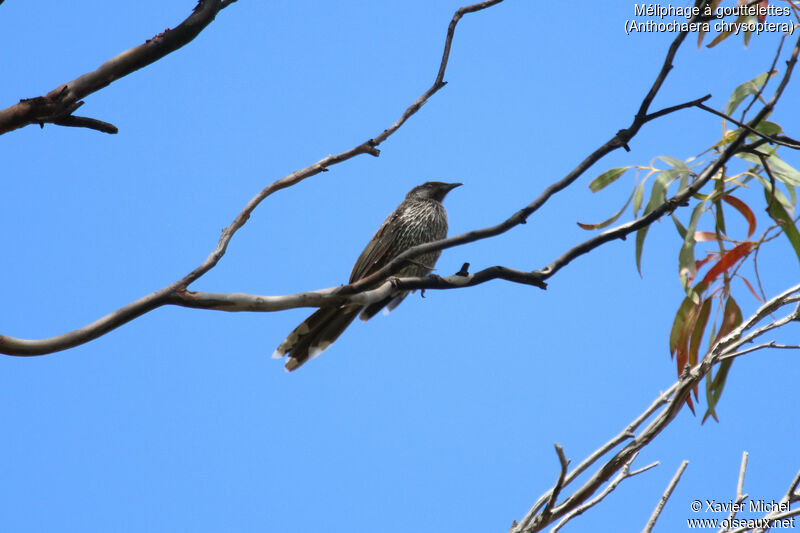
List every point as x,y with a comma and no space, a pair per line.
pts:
720,217
670,174
709,411
779,215
713,336
717,384
674,163
657,197
778,194
792,194
783,171
746,89
769,128
731,318
680,168
678,324
606,178
637,199
611,220
680,227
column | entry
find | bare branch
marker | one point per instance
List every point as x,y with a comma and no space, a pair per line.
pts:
177,293
56,106
624,474
682,196
620,232
520,217
551,501
625,434
769,76
664,497
740,494
85,122
776,514
782,140
67,95
669,408
439,81
770,344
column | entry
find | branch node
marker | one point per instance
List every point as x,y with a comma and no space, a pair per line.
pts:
624,135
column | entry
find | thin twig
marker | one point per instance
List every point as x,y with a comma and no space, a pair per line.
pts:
624,474
790,143
787,498
766,81
664,497
770,344
740,494
672,402
625,434
683,387
551,501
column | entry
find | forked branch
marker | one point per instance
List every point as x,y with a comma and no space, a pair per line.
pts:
57,106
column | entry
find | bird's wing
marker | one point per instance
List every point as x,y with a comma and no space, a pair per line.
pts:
379,250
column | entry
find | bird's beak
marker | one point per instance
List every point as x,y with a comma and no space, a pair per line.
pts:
450,186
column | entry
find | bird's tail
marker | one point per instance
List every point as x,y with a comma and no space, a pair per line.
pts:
387,304
315,334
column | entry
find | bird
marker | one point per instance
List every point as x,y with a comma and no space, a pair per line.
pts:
419,218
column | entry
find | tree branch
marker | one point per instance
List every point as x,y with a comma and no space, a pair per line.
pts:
623,474
551,500
176,293
57,106
371,287
781,140
670,404
521,216
741,496
664,497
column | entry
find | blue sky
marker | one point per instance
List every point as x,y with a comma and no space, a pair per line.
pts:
440,417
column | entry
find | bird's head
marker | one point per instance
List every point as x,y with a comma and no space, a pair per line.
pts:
432,190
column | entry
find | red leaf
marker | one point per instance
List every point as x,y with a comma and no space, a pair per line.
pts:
728,260
731,317
709,257
752,290
690,403
744,210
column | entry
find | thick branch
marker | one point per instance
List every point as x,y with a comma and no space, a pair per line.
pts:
173,292
177,293
56,106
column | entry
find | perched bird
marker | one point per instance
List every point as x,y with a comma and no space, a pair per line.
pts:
420,218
